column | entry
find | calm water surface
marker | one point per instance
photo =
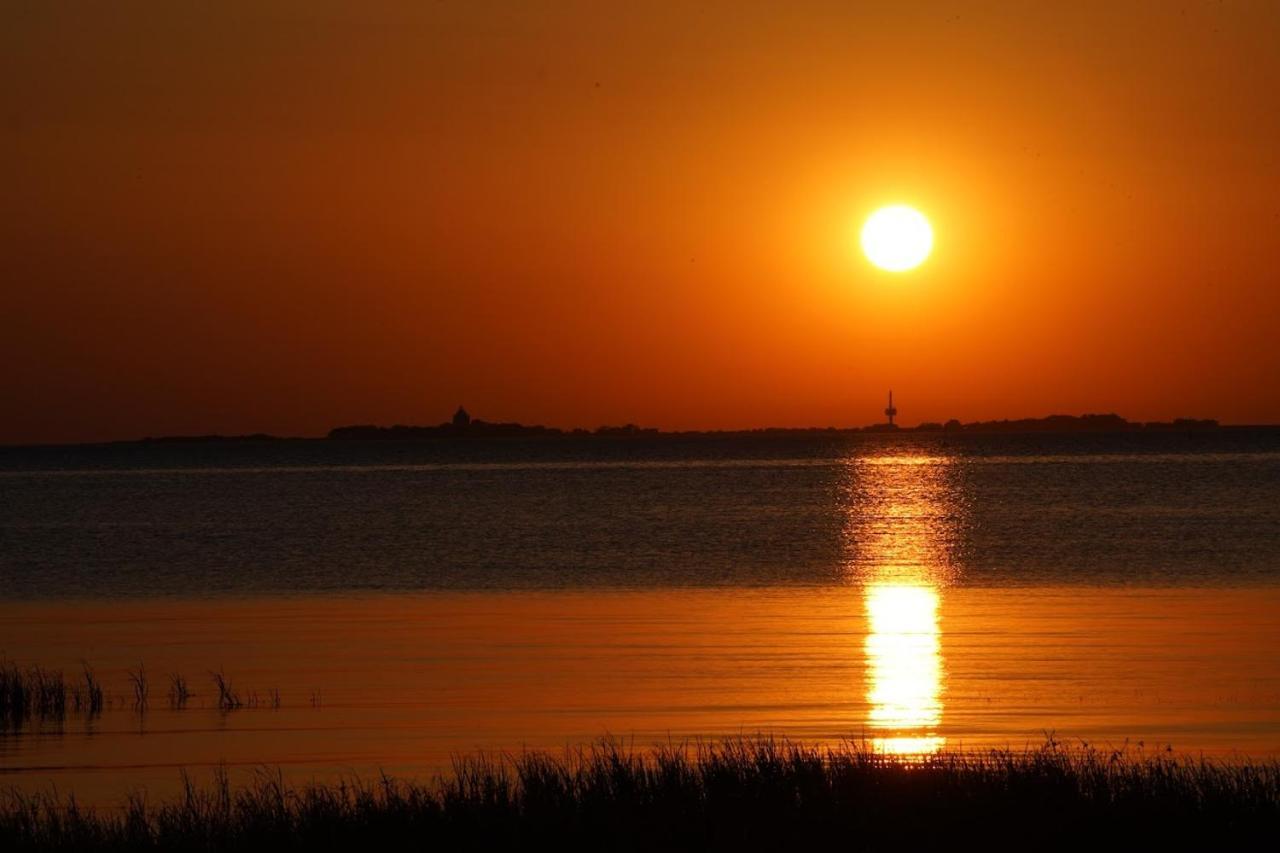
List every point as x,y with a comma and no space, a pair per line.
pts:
412,600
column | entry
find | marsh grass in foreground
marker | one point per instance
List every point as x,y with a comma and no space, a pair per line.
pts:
748,793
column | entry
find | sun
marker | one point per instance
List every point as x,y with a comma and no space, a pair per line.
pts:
897,238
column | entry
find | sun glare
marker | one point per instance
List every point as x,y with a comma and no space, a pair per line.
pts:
897,238
904,653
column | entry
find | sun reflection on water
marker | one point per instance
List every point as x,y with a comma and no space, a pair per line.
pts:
904,662
902,537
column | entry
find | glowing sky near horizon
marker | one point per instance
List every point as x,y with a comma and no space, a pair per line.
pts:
286,216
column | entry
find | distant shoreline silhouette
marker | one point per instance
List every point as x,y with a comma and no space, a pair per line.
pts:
463,427
470,429
474,428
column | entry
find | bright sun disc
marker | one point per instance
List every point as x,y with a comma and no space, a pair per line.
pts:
897,238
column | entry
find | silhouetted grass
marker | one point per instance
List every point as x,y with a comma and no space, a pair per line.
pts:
179,691
44,695
31,692
91,699
751,793
141,687
228,698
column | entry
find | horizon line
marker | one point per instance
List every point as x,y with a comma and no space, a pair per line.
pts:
631,428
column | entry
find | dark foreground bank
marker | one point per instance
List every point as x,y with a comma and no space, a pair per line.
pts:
743,793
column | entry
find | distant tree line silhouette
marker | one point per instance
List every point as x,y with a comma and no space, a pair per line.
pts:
1090,423
480,429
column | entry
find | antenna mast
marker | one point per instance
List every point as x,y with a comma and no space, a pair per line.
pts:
890,411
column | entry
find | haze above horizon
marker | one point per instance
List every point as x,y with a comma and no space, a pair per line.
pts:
285,216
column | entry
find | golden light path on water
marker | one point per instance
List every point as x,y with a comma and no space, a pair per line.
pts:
903,524
904,660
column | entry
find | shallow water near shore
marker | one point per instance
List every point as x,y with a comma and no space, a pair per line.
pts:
404,682
412,602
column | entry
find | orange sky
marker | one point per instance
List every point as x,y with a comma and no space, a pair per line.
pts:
288,216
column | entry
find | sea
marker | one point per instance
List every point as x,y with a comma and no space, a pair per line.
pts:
387,606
